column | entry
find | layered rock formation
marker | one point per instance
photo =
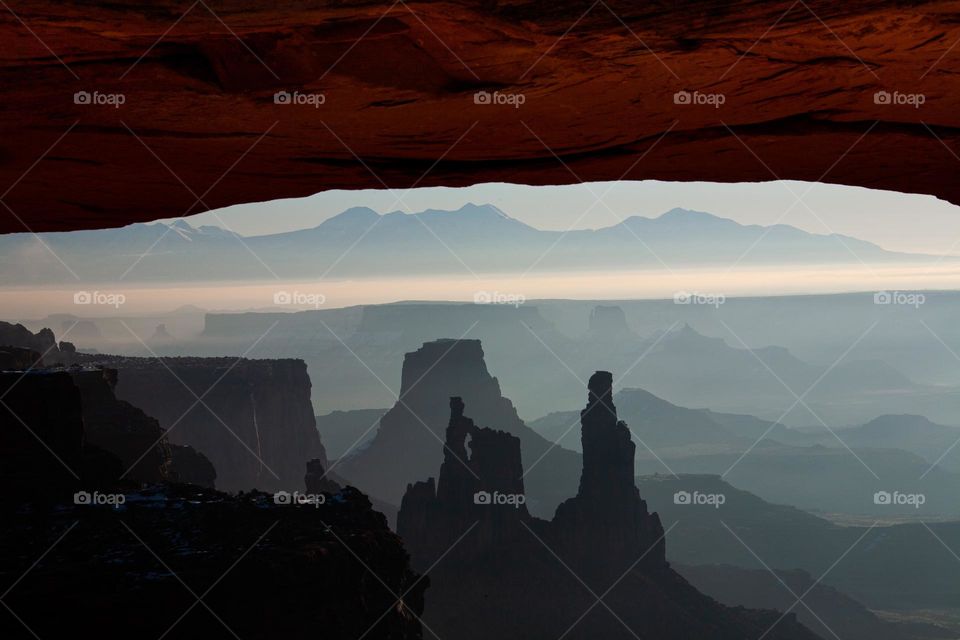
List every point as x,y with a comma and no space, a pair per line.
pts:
599,85
134,437
597,570
254,420
409,442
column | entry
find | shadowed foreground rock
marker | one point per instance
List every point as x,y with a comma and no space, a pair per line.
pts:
90,554
497,572
264,570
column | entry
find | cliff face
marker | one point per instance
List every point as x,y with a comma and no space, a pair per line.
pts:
134,437
254,420
598,83
406,449
495,571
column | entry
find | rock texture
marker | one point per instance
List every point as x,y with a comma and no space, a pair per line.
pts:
254,420
496,571
409,442
118,427
199,126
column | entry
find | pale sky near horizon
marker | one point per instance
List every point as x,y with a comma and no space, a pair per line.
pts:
893,220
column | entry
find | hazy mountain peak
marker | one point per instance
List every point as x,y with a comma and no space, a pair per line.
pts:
679,214
353,215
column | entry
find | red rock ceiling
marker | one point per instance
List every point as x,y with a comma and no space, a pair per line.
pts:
199,127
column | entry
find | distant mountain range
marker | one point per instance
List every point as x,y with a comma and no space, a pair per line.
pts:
361,242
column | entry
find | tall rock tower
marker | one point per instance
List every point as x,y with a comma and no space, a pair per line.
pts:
607,527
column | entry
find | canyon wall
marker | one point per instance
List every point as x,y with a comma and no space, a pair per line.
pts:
252,418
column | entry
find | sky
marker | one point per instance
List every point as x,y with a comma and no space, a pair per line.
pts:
893,220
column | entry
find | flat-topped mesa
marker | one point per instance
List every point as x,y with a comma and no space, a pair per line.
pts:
405,448
457,364
607,525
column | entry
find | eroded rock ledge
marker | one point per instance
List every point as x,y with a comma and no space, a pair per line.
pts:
199,126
